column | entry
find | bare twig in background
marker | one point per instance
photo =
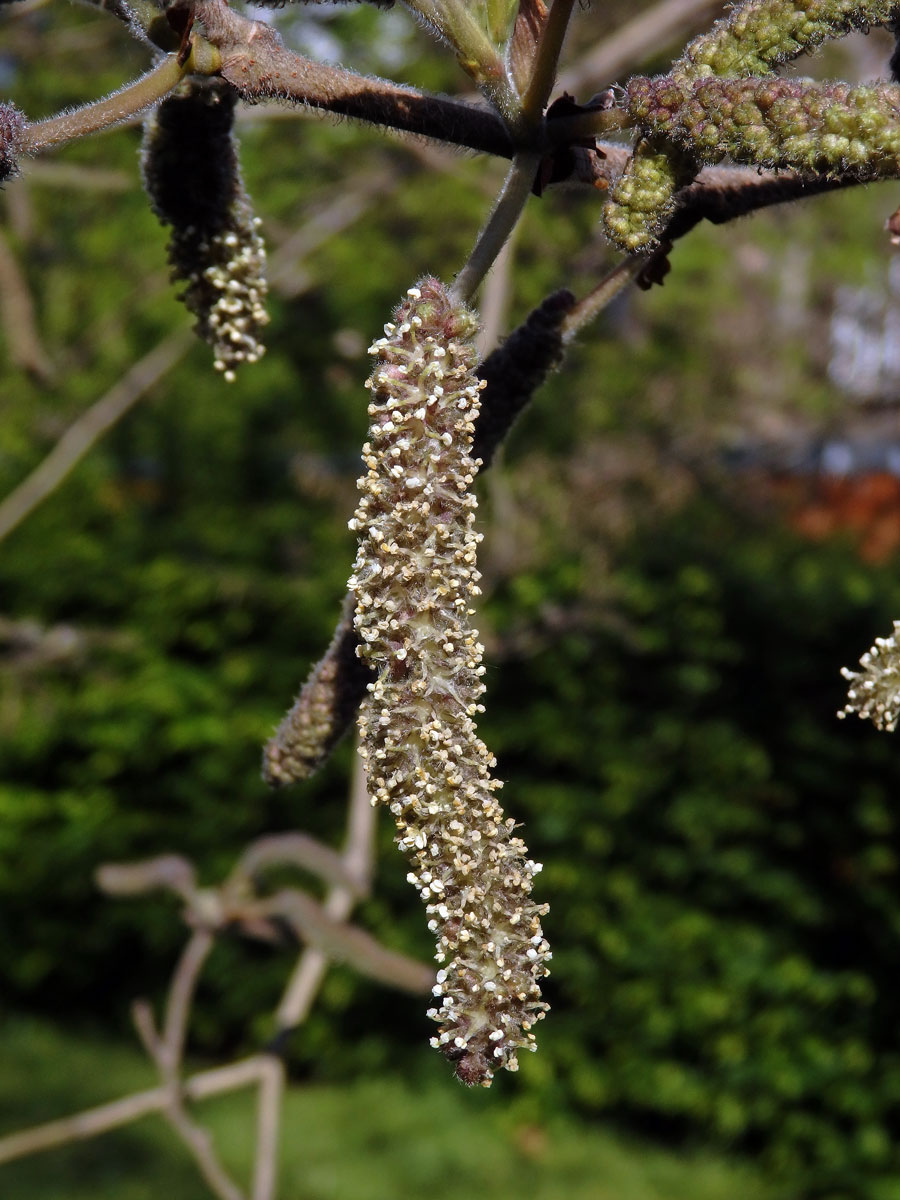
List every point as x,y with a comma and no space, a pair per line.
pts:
268,1121
331,215
92,425
357,856
298,850
104,1117
208,909
653,29
17,314
87,430
306,979
494,305
74,177
166,1050
172,872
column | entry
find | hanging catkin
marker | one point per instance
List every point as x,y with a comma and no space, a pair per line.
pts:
414,579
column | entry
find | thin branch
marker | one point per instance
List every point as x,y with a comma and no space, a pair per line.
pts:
199,1143
546,57
494,306
19,324
456,24
331,215
268,1121
172,872
166,1050
104,1117
299,850
649,32
87,430
75,177
258,64
357,857
104,114
181,996
500,224
346,943
586,310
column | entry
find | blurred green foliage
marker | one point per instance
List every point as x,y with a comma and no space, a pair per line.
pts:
721,854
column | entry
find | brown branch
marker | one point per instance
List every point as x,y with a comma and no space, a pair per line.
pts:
104,1117
17,315
181,997
169,871
104,114
546,57
87,430
357,857
268,1121
299,850
166,1050
258,64
346,943
647,33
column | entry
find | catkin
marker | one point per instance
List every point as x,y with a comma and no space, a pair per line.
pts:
12,136
874,692
192,177
414,579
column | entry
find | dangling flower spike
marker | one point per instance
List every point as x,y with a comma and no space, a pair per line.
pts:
414,579
193,180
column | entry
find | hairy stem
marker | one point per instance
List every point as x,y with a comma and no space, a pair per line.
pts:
510,203
104,114
603,294
546,58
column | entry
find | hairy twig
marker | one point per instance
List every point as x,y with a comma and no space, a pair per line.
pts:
105,114
547,51
504,216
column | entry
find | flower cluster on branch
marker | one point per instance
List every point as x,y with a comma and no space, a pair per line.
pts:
414,578
874,692
193,179
721,99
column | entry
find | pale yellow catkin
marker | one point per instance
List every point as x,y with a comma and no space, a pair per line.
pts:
414,580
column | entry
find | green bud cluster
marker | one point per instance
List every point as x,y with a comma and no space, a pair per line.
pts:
795,123
192,177
643,198
688,126
758,35
414,580
12,136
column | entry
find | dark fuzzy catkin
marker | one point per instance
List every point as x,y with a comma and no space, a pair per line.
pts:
12,136
516,369
322,712
192,176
